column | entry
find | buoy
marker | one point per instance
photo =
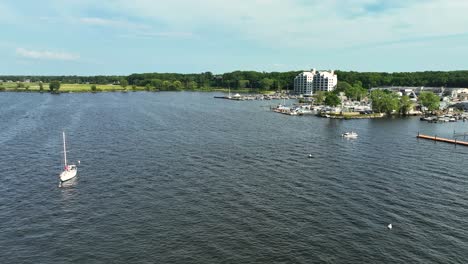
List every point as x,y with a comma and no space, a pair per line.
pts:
79,162
310,156
389,226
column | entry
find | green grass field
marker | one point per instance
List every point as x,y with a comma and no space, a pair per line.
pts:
65,87
86,88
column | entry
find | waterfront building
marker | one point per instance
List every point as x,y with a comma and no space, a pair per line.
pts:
325,81
303,83
308,83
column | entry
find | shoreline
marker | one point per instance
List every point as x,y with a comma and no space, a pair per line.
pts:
99,88
116,90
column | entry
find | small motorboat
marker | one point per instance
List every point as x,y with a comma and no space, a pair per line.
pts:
351,134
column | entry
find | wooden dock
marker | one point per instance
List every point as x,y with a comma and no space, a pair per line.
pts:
446,140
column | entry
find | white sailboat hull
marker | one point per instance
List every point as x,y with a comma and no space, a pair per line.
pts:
68,174
70,170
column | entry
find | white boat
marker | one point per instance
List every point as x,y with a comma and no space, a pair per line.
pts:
69,171
351,134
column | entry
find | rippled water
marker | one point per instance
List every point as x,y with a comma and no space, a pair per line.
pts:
185,178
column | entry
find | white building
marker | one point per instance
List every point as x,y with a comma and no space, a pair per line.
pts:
303,83
311,82
325,81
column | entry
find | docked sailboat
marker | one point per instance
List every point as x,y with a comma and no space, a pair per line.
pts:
69,170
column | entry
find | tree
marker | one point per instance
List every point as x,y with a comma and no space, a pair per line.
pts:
342,86
277,85
54,86
148,87
19,85
404,105
41,86
332,99
123,83
390,103
377,100
156,83
166,85
243,83
319,97
93,88
429,100
266,83
177,85
192,85
384,102
355,92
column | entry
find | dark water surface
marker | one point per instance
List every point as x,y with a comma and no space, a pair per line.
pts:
185,178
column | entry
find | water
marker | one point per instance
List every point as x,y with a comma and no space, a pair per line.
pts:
185,178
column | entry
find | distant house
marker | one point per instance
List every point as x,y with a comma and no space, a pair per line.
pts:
457,92
416,90
462,96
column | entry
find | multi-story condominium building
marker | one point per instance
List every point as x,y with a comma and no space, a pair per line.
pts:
325,81
311,82
303,83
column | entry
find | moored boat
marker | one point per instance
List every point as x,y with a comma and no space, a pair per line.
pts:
351,134
69,171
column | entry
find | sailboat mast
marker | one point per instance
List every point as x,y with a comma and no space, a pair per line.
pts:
64,149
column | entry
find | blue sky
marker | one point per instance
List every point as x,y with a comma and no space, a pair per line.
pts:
87,37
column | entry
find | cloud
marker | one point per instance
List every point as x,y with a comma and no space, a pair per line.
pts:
276,24
48,55
134,30
104,22
297,23
152,35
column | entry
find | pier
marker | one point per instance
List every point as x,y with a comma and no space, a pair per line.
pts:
446,140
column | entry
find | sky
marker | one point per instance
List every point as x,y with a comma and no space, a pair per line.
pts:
120,37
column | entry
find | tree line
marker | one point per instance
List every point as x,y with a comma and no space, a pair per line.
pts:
254,80
99,79
426,78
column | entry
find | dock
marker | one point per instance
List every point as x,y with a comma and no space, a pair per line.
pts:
446,140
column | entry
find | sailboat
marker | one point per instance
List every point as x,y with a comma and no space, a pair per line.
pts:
69,171
229,96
